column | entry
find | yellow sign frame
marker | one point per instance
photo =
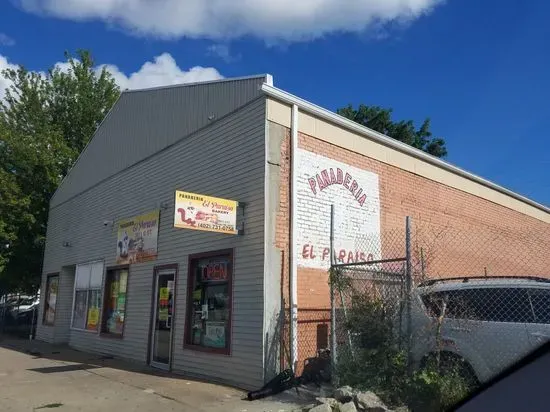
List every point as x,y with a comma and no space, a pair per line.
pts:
200,212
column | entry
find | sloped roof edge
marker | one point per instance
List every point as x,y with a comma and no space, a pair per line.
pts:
334,118
268,79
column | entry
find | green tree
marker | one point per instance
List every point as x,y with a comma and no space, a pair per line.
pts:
45,122
379,119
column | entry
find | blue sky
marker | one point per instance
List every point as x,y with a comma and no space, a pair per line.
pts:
479,70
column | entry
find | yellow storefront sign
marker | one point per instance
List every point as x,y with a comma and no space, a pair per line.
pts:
200,212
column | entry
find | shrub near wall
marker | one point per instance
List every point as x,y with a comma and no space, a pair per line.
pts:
376,360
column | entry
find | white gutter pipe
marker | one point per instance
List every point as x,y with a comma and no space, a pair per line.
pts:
292,247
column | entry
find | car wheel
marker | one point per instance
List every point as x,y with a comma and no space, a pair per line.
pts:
450,362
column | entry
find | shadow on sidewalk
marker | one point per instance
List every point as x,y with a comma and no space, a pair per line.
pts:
64,353
77,360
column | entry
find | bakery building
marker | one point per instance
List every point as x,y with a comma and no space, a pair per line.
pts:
168,242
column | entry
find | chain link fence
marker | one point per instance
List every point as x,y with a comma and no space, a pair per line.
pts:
369,303
441,311
380,282
313,336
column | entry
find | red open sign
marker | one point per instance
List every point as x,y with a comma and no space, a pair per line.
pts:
214,271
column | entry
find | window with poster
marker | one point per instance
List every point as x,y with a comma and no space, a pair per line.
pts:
87,296
209,302
52,284
114,308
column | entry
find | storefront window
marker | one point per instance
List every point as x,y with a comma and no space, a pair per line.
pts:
209,322
87,296
52,285
114,312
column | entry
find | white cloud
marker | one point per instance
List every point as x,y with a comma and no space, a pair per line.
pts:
223,52
6,40
163,71
4,83
289,20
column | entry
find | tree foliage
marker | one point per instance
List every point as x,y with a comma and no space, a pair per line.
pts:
379,119
45,122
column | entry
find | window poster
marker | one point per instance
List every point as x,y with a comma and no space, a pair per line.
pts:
114,289
214,335
164,295
93,318
121,301
123,282
115,307
51,299
163,314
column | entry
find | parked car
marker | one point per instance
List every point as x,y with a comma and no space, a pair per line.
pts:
18,314
26,320
22,304
485,324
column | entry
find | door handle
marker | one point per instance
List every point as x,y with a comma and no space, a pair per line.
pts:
540,335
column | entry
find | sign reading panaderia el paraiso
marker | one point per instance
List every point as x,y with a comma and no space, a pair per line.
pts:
354,193
200,212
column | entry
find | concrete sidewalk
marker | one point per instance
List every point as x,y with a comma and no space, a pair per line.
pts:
35,376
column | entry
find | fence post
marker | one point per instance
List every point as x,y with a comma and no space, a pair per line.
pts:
408,297
333,356
34,309
4,299
422,264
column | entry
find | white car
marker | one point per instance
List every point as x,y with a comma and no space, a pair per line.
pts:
485,323
22,303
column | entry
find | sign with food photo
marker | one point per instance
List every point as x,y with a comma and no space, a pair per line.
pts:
199,212
137,239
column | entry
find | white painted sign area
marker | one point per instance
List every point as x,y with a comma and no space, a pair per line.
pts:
354,193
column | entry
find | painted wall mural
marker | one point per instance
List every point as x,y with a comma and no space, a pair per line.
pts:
355,195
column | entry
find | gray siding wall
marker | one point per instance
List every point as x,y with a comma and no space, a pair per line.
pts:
143,122
226,159
64,305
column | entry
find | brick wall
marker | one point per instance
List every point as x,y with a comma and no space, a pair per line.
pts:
460,234
282,236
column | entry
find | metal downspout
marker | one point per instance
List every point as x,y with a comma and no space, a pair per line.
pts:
293,230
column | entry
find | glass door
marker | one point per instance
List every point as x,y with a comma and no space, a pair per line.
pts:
161,346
